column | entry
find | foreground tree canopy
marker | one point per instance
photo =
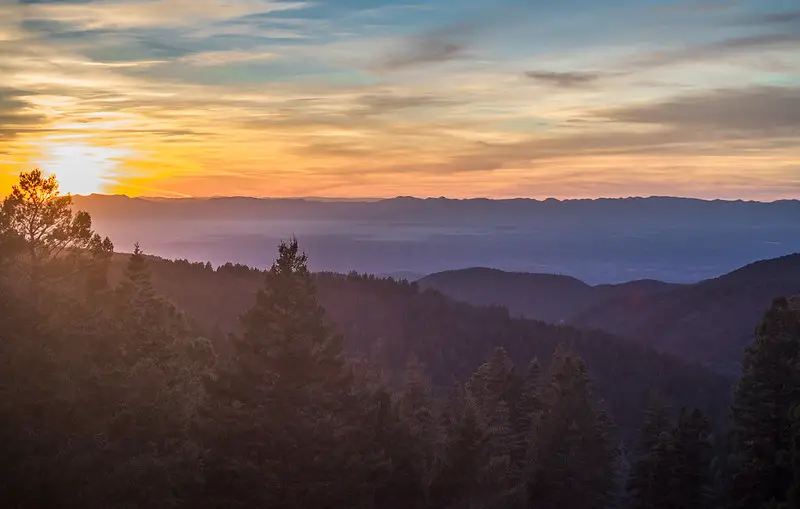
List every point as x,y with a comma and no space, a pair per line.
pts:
110,397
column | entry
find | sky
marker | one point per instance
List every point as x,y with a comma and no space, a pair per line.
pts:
380,98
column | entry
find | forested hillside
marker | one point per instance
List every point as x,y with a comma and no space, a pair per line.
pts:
709,322
548,297
125,383
392,322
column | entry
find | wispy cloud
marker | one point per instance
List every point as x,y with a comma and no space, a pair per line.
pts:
754,111
778,18
423,50
129,14
564,79
375,98
16,113
217,58
723,49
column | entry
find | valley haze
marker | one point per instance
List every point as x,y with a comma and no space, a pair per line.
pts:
599,241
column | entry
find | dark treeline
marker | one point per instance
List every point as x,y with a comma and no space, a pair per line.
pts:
392,323
110,397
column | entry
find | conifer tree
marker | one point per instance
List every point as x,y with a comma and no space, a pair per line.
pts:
491,388
492,382
571,459
762,428
693,452
647,486
141,396
526,410
38,218
465,477
415,405
794,491
280,415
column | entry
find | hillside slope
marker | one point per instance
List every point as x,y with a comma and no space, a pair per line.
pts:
393,322
710,322
547,297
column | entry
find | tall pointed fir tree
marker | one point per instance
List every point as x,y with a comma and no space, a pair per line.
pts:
280,418
491,388
419,437
794,491
492,382
646,487
571,459
465,477
693,446
526,411
140,397
762,428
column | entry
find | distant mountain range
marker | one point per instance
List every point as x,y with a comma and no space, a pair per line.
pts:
598,241
709,322
517,210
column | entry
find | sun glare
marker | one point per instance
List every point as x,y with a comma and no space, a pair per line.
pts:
81,168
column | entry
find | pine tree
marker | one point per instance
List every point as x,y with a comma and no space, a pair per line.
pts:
693,452
570,461
39,219
409,437
415,405
526,411
141,396
646,486
491,388
761,434
794,491
281,417
465,477
492,382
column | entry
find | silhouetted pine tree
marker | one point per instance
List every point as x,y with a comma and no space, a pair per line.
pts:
492,382
762,428
139,394
794,491
465,477
647,487
525,412
571,459
693,452
492,388
422,436
281,419
31,432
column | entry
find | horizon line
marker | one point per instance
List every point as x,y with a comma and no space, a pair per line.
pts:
331,199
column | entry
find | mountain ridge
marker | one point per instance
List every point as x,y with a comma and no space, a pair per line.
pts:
326,199
675,318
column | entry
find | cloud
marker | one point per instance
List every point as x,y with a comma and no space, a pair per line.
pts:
735,46
731,124
564,79
218,58
377,104
16,113
422,52
128,14
754,109
779,18
443,44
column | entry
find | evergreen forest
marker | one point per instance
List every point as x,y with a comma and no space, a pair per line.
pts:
128,381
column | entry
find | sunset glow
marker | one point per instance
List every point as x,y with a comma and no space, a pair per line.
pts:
376,99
